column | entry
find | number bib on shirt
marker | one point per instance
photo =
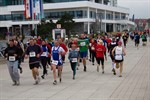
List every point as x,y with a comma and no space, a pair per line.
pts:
118,57
55,62
90,44
32,54
82,43
93,48
12,58
44,54
74,60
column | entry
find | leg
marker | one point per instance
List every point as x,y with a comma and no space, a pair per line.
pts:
93,56
15,72
54,71
60,72
10,68
98,64
121,68
102,62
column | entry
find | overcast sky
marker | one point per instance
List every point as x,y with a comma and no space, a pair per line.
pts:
141,8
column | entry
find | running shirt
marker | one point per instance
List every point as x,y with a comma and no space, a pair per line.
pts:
10,51
33,51
83,45
45,51
112,45
119,53
55,53
100,50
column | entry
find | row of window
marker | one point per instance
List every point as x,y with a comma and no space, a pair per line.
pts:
56,15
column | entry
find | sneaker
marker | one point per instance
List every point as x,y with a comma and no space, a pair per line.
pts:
17,83
21,71
73,77
36,82
114,72
120,75
103,72
60,80
55,82
84,69
93,64
77,68
90,60
42,77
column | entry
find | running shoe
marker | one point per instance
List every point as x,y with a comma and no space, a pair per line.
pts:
84,69
17,83
120,75
55,82
60,80
73,77
114,72
103,72
42,77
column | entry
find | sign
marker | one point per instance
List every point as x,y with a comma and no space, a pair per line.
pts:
59,26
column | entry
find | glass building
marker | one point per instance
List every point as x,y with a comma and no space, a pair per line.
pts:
86,13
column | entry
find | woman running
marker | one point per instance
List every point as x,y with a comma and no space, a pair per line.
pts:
73,58
100,50
119,53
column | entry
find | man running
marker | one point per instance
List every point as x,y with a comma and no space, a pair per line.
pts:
12,53
57,53
83,46
34,51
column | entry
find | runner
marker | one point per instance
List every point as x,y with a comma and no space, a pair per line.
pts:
93,45
125,39
119,52
83,47
11,53
33,52
73,58
19,56
44,58
144,38
64,47
137,40
100,50
112,45
57,53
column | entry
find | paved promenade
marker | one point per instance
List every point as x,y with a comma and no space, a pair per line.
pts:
90,85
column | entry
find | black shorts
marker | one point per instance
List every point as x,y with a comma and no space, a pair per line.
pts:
100,60
118,61
137,41
34,65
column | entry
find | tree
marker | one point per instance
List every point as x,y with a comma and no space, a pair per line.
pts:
67,23
45,28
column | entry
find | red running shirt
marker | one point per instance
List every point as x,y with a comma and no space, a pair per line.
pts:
100,49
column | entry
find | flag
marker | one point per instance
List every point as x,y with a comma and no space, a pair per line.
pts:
38,9
27,9
133,18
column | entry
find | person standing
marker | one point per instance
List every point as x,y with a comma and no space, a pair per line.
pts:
12,53
100,51
83,47
57,62
33,52
73,58
119,52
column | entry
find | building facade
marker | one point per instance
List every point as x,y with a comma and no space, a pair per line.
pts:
89,15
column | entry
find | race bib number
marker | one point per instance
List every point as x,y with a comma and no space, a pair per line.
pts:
44,54
118,57
93,48
90,44
32,54
74,60
12,58
55,62
82,43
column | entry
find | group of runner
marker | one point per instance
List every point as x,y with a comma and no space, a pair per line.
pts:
42,53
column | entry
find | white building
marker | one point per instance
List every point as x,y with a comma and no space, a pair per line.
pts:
108,15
